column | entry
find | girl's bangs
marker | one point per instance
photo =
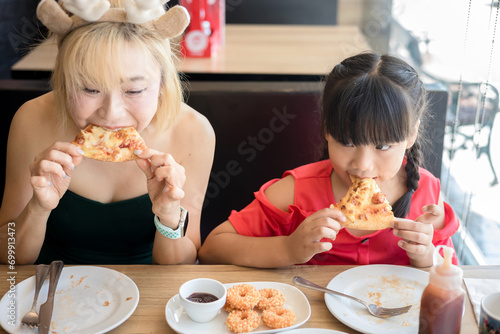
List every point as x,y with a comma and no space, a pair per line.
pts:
369,113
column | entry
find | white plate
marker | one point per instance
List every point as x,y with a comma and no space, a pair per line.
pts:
295,300
387,285
88,300
313,331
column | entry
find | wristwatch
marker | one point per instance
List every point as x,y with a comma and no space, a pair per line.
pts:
181,228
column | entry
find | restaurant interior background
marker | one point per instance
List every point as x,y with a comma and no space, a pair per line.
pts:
452,43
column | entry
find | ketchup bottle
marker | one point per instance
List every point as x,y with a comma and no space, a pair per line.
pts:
442,303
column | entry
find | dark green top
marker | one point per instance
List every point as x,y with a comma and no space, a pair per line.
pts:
82,231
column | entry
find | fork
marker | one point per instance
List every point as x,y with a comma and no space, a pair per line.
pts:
378,311
31,319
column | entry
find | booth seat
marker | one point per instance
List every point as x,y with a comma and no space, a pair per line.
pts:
262,129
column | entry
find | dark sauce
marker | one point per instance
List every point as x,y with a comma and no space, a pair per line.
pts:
202,297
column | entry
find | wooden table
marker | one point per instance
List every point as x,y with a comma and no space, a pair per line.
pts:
157,284
263,51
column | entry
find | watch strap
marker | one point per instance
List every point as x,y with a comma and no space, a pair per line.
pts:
167,231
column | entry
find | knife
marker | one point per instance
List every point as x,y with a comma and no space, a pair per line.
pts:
46,308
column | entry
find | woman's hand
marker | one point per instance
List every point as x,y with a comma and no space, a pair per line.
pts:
417,235
304,242
165,178
51,173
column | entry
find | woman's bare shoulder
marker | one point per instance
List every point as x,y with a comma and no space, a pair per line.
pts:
36,117
194,127
192,118
40,108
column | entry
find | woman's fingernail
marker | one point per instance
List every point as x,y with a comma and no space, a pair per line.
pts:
80,151
64,175
49,184
72,167
136,152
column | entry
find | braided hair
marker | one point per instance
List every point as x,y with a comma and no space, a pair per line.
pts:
377,99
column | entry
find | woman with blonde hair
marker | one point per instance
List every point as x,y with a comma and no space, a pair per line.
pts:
112,73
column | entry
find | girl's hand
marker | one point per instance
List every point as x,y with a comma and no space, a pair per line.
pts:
304,242
417,235
165,178
51,173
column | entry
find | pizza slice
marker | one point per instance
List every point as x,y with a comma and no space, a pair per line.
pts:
365,206
104,144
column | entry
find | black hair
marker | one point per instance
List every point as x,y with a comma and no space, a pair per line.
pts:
376,99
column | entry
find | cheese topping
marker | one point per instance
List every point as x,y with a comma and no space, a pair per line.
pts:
109,145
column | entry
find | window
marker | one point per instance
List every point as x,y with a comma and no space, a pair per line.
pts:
457,45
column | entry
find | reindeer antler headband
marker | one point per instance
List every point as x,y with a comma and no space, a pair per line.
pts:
149,13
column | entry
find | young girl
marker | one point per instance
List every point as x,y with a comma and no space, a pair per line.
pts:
63,206
373,108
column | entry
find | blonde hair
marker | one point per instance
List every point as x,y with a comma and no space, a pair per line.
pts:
91,54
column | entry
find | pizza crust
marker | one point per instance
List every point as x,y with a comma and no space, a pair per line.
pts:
365,206
104,144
